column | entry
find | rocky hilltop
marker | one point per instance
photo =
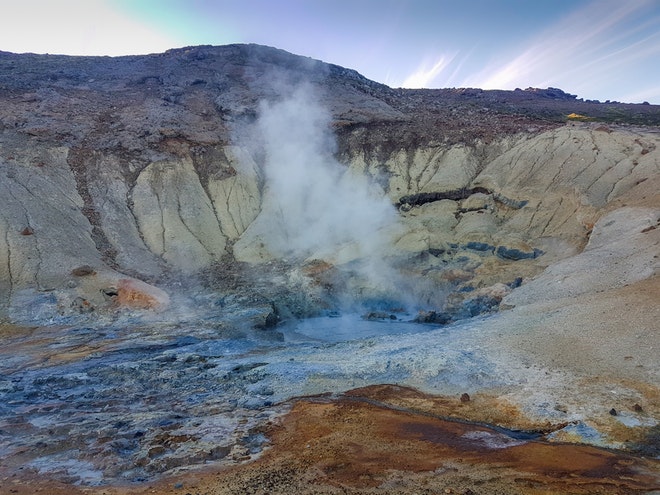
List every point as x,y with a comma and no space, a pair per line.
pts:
152,205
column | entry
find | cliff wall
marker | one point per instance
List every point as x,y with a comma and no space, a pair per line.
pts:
145,170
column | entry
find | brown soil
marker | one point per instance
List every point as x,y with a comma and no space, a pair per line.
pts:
389,439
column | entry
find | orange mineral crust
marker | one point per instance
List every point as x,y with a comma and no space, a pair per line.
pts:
362,443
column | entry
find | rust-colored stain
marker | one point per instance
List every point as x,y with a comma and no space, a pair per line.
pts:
357,443
366,442
136,294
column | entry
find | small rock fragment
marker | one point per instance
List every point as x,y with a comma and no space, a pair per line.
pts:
83,271
440,318
613,412
82,305
27,231
637,408
465,397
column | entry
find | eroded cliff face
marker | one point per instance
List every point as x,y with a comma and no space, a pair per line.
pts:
143,172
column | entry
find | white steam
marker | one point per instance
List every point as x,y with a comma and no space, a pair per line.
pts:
313,205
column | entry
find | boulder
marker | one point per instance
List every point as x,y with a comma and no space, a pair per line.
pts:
135,294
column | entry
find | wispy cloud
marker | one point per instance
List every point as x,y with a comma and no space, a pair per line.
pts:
427,72
596,42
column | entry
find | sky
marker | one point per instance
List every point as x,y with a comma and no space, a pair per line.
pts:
596,49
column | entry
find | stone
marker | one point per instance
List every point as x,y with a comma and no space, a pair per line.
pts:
83,271
379,315
480,246
516,253
435,317
132,293
82,305
478,305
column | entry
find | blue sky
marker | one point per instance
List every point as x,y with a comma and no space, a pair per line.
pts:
597,49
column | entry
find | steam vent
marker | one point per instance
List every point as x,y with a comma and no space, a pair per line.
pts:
233,270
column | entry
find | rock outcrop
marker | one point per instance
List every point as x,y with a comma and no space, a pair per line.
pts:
145,169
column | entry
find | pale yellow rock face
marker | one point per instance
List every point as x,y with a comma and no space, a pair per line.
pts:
42,230
568,174
113,200
538,196
433,169
546,193
236,199
566,177
622,250
176,217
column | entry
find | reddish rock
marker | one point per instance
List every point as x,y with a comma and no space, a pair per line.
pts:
134,293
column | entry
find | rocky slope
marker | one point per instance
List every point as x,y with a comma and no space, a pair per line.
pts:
144,169
233,189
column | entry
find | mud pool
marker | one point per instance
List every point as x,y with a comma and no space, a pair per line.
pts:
130,402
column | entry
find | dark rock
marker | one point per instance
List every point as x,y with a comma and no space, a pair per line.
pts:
613,412
552,93
82,305
455,195
265,318
83,271
436,317
479,305
437,252
379,315
271,320
511,203
27,231
516,254
637,408
110,293
480,246
465,397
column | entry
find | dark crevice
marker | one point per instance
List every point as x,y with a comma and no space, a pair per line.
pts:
454,195
457,195
76,161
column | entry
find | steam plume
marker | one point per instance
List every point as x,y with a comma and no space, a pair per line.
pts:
316,204
316,208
